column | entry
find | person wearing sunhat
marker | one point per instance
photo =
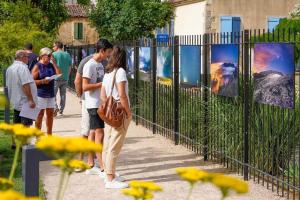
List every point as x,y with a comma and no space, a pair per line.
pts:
41,72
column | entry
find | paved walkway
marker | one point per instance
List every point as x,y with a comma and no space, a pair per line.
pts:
144,157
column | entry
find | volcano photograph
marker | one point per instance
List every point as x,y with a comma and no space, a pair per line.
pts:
224,69
273,74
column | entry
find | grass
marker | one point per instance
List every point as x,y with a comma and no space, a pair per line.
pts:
273,131
6,159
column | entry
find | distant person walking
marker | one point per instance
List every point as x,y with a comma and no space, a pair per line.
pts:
64,62
115,82
46,98
33,58
21,87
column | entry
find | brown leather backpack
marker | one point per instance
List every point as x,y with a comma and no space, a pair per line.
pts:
111,111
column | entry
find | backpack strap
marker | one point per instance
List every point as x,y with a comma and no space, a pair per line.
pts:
113,82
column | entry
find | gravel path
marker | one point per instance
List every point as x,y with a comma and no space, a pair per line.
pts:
144,157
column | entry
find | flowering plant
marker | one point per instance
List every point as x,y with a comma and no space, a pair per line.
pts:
64,149
141,189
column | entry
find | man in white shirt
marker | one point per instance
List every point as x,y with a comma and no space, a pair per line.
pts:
93,73
21,86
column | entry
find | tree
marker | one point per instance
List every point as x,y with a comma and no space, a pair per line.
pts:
130,19
291,25
21,25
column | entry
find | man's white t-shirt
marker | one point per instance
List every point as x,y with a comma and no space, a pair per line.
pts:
18,75
94,71
108,80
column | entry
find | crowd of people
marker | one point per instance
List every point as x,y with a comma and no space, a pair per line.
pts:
99,76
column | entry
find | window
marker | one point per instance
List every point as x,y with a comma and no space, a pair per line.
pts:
273,22
78,31
230,26
167,30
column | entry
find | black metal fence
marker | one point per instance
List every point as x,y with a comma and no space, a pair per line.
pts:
259,141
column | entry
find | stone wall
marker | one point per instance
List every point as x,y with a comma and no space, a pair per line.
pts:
66,32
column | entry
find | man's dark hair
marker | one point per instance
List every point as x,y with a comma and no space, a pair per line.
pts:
103,44
59,44
28,46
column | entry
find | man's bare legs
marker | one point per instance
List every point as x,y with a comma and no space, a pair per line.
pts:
91,137
99,136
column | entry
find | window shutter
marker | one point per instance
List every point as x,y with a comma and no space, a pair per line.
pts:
76,31
273,22
80,31
229,25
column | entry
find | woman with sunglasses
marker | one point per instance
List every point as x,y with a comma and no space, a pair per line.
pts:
46,98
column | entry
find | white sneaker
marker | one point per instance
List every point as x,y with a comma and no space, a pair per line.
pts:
94,171
114,184
117,178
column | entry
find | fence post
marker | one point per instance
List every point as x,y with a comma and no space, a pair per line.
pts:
246,103
206,94
154,67
30,169
7,106
176,89
136,78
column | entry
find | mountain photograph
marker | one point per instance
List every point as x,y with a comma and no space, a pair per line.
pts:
273,74
224,70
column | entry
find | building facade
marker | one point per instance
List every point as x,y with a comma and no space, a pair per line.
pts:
193,17
77,29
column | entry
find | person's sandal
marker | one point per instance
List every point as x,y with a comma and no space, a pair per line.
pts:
55,112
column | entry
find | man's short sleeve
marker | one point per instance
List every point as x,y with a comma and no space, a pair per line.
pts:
121,75
87,70
82,64
24,75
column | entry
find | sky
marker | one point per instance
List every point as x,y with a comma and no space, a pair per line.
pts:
276,57
224,53
190,63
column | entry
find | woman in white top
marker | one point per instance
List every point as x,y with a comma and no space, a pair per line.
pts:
114,139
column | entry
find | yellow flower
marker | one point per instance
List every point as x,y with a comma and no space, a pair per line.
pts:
66,146
5,184
12,195
148,185
6,127
21,131
134,192
70,165
193,175
226,183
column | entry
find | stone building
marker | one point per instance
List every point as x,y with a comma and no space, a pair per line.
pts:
194,17
77,29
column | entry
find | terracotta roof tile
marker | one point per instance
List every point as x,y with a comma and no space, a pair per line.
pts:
76,10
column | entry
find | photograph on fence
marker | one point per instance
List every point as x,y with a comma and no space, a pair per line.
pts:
224,69
273,74
164,65
91,50
190,65
145,63
130,61
84,53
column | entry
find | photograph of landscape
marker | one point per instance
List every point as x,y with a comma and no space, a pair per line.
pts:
190,65
224,69
273,74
